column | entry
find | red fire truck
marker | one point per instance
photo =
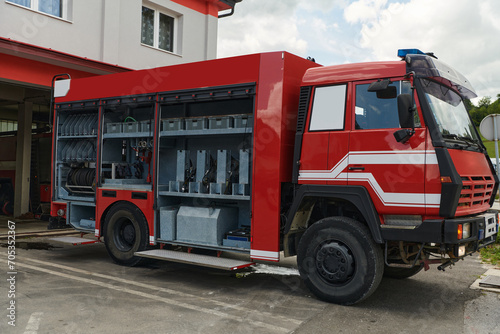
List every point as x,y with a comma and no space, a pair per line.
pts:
359,170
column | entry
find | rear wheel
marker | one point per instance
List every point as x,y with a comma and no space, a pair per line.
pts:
339,261
126,232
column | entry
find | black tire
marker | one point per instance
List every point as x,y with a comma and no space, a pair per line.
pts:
339,261
125,232
401,273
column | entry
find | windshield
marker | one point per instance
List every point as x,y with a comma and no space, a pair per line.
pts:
449,111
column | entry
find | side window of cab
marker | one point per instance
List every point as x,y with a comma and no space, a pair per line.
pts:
328,109
375,110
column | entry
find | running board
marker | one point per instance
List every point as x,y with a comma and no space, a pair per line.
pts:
74,240
196,259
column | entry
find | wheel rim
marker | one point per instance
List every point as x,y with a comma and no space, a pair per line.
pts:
124,234
335,262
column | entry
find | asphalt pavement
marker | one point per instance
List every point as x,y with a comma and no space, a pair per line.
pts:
61,288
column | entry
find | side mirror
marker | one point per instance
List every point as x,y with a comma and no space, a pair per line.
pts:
405,111
379,85
383,90
406,120
389,93
403,135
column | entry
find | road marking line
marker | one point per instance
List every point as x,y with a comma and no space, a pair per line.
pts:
166,290
154,297
33,323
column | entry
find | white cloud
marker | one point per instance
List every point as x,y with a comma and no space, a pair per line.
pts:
321,5
261,26
363,10
462,33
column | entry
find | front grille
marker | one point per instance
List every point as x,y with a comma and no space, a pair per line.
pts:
476,193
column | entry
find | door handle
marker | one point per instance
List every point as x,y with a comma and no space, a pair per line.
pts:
357,168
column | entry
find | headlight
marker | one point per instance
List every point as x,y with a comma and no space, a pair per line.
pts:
463,231
466,231
461,251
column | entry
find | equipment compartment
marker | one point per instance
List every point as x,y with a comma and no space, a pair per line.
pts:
127,145
75,150
204,166
81,216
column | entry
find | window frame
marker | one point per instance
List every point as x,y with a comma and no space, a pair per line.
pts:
311,126
156,28
34,4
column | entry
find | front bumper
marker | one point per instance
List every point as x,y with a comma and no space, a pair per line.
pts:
483,231
483,228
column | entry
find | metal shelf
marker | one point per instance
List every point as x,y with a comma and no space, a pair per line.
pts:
76,136
127,135
206,132
198,195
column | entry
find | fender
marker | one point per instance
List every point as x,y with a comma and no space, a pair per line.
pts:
357,195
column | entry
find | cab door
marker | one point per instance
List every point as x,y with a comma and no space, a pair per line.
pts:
392,172
322,145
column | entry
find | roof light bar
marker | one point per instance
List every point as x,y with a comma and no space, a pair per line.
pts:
403,52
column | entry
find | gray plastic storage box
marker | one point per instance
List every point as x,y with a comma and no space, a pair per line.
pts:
236,243
114,127
173,124
145,126
87,223
243,121
168,223
131,127
205,225
223,122
196,124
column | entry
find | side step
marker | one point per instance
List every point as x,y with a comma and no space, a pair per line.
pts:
74,240
196,259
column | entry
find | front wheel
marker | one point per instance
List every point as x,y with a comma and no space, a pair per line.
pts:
339,261
126,232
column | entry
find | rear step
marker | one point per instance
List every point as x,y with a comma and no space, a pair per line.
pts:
75,241
196,259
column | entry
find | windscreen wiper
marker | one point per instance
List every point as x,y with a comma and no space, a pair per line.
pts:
456,140
470,140
462,141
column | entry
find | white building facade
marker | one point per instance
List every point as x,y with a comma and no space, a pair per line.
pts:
42,38
130,33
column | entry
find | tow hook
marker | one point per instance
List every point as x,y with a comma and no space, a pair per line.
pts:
447,264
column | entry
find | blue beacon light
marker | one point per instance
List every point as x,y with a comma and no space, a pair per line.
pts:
403,52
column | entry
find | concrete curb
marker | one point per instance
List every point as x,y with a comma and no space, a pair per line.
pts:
492,272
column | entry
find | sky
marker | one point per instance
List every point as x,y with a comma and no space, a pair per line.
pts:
462,33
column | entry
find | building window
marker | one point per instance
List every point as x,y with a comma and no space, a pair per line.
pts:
51,7
157,29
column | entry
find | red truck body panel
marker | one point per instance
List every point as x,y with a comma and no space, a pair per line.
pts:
277,76
275,123
331,75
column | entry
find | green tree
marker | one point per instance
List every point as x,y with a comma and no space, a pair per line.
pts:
469,105
484,108
484,102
